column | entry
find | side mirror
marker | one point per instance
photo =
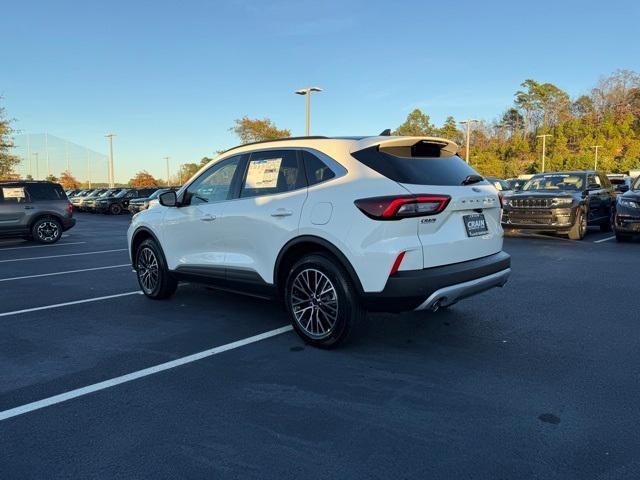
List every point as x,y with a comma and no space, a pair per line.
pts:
623,188
168,199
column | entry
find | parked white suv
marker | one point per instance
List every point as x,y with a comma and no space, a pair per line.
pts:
331,226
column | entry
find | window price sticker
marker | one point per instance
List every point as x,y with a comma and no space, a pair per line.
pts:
263,173
15,192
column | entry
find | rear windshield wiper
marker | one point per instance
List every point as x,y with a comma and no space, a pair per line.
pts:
472,179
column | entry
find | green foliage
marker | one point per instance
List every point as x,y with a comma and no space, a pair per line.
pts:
258,130
608,116
7,161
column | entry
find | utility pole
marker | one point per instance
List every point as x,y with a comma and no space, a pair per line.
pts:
544,148
88,169
596,147
46,149
468,123
111,176
29,156
168,181
307,92
66,155
37,166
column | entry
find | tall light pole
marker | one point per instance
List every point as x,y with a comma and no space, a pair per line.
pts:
37,166
88,169
111,179
46,149
596,147
167,160
307,91
544,148
468,123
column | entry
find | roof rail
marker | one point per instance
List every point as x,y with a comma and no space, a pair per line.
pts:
317,137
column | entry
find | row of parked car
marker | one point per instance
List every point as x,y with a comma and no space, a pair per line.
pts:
569,202
115,201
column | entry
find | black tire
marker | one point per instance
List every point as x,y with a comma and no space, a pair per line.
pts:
579,227
623,238
151,270
322,273
115,209
46,230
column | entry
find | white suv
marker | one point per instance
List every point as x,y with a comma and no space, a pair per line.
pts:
333,227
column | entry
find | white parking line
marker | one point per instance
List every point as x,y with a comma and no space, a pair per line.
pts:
64,273
42,246
66,255
605,239
79,392
65,304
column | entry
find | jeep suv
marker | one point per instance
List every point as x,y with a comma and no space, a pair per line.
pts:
34,210
118,203
333,227
561,202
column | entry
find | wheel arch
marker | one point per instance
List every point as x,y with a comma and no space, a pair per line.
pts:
140,235
305,244
43,215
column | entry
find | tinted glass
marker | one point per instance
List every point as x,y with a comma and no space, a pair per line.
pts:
45,191
317,170
272,172
416,170
214,185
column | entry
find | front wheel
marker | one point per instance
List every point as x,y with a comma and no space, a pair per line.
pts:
46,230
153,275
115,209
579,228
322,301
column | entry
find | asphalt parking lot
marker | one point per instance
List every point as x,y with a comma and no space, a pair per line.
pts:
540,379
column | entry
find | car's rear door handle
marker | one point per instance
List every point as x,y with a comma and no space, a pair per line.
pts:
208,218
282,212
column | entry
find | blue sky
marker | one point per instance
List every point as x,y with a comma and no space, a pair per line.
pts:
169,78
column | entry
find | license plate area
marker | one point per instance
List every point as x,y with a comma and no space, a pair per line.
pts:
475,224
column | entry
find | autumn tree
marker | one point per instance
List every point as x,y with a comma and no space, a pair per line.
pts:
256,130
143,179
68,181
7,161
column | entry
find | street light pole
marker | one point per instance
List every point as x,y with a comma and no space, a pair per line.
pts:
468,123
544,148
111,179
167,160
37,166
307,91
596,147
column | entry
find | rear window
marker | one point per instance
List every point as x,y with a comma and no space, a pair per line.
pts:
416,169
45,191
317,171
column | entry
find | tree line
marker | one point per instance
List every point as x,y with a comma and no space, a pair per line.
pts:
607,116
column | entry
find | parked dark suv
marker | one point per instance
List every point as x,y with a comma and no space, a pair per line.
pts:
627,216
561,202
34,210
118,203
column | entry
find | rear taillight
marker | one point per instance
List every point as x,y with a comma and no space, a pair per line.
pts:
70,209
402,206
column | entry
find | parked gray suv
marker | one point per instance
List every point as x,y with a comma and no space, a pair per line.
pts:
34,210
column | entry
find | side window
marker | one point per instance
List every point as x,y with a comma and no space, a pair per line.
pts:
214,185
132,194
13,195
593,180
604,180
272,172
44,191
316,169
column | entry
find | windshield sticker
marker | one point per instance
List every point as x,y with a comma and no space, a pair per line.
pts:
14,192
263,173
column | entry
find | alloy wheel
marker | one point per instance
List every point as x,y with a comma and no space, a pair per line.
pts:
148,271
314,303
48,231
583,225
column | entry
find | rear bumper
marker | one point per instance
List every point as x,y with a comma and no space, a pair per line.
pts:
421,289
68,223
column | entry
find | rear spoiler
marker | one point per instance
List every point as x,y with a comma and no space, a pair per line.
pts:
397,144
